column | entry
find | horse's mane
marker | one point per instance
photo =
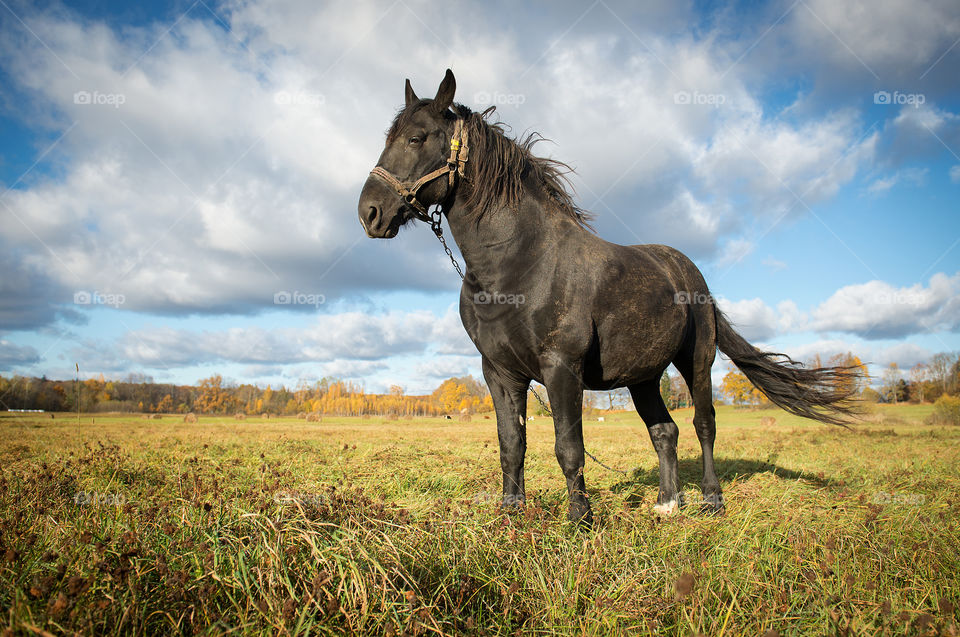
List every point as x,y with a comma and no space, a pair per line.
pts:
498,165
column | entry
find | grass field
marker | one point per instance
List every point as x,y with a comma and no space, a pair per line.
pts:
123,525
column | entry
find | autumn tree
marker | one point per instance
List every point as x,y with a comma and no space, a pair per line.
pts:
919,374
165,405
856,372
213,398
891,381
941,366
737,388
680,392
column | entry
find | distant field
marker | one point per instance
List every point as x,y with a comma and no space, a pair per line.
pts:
123,525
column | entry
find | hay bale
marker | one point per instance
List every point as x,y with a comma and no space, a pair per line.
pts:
768,421
314,417
391,416
465,418
239,416
265,416
302,415
156,416
191,417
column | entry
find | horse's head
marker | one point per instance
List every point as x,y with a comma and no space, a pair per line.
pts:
418,165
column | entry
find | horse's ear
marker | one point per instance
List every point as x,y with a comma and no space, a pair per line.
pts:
409,94
445,93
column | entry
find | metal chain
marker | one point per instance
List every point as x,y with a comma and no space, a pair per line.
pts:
435,225
592,457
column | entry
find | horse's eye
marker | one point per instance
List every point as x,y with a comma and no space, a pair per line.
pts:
414,141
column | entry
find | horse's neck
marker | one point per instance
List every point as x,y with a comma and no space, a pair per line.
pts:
502,236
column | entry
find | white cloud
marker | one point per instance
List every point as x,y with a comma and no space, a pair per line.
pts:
341,342
781,167
878,310
734,251
883,184
752,318
874,310
913,176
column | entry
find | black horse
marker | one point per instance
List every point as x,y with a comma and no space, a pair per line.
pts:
545,299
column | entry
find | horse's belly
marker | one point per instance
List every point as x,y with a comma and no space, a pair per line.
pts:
632,353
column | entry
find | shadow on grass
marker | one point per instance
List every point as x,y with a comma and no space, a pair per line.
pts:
728,470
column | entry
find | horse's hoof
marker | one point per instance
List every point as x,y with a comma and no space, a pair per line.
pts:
667,508
512,502
580,517
713,505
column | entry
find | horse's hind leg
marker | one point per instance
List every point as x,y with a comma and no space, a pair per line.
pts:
695,370
664,434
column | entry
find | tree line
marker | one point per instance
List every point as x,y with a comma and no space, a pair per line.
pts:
924,382
213,395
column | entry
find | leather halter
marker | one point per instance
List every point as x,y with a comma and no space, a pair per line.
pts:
456,165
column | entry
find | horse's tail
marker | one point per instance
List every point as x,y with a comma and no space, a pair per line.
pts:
820,393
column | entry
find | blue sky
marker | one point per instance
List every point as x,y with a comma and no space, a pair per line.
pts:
189,161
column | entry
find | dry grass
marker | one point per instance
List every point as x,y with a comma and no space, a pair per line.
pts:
383,526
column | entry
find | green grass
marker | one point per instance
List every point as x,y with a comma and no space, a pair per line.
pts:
369,526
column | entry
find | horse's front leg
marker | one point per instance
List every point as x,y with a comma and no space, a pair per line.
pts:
565,388
509,396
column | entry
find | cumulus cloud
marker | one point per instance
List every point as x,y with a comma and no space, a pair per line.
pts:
752,318
877,309
874,310
343,342
757,321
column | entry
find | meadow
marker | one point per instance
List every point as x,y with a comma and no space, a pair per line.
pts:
125,525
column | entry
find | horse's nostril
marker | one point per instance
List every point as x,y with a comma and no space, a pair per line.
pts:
372,214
